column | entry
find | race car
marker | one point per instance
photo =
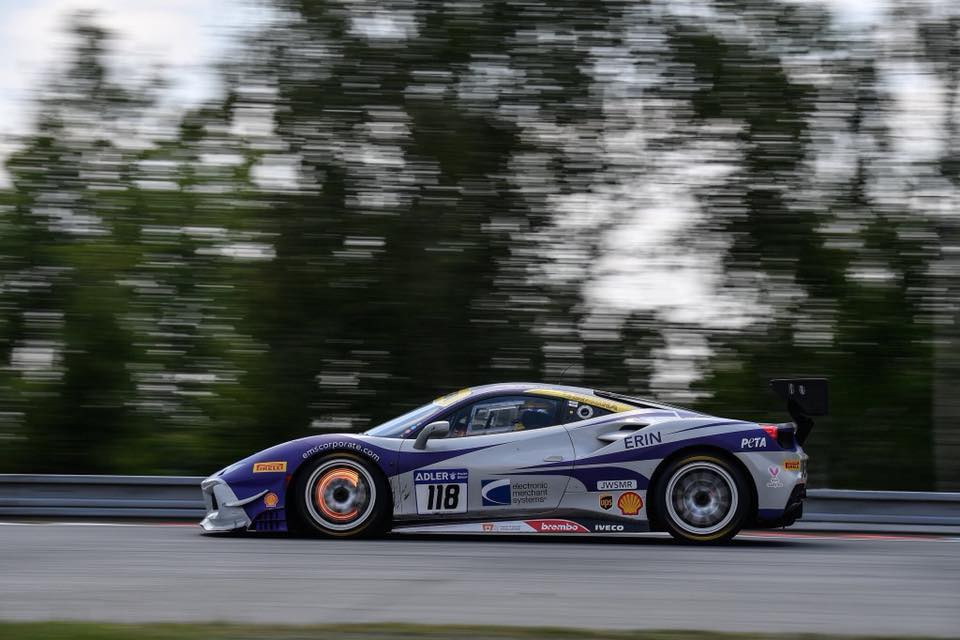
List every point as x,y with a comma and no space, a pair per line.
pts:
531,458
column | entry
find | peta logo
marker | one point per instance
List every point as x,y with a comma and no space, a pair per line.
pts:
753,443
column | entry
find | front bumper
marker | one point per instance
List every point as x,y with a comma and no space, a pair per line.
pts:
225,511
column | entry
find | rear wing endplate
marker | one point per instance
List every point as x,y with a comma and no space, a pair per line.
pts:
805,397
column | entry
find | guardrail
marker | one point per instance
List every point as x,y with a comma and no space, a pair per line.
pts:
177,497
912,508
63,496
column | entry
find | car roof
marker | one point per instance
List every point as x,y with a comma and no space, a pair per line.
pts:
521,387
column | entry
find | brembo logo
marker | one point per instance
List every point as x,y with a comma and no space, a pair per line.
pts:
557,526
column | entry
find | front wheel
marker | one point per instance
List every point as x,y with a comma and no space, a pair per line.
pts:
703,498
343,496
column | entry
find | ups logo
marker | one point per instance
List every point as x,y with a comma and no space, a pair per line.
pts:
606,501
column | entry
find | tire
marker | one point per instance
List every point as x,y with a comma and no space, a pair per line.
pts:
703,498
342,496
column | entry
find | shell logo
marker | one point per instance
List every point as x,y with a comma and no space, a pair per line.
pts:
630,503
270,500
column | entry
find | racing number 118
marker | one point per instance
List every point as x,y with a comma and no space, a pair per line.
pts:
443,497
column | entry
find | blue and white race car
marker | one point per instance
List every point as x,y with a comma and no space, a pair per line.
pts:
531,458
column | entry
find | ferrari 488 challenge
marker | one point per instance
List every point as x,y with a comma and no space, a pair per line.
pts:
531,458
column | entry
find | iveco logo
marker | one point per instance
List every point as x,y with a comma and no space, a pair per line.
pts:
608,527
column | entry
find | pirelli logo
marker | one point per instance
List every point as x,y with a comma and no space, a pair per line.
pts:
269,467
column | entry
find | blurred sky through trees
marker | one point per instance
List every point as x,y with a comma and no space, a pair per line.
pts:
344,209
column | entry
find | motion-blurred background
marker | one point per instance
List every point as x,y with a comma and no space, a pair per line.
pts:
224,224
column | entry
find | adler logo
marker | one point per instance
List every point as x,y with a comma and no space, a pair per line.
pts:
753,443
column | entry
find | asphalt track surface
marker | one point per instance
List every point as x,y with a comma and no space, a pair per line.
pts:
776,582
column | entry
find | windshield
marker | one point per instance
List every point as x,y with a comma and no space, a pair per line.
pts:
399,426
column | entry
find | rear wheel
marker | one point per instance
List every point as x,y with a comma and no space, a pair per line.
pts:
343,496
703,498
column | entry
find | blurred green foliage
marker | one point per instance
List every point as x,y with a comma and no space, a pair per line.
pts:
397,199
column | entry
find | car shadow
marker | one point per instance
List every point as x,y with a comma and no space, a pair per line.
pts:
646,540
649,540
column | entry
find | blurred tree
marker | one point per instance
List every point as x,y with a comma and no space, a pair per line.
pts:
70,235
121,315
939,38
845,271
395,199
401,265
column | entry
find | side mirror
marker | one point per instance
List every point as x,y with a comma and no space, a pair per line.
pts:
437,429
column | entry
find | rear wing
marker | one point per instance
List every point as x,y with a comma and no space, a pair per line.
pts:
805,397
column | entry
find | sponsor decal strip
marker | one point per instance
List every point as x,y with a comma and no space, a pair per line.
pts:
642,439
537,525
269,467
505,492
651,450
616,485
342,444
630,503
713,424
441,490
449,399
597,401
775,482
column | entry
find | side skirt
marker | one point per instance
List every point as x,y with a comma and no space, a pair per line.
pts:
529,526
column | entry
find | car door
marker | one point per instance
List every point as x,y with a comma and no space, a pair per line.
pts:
481,470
